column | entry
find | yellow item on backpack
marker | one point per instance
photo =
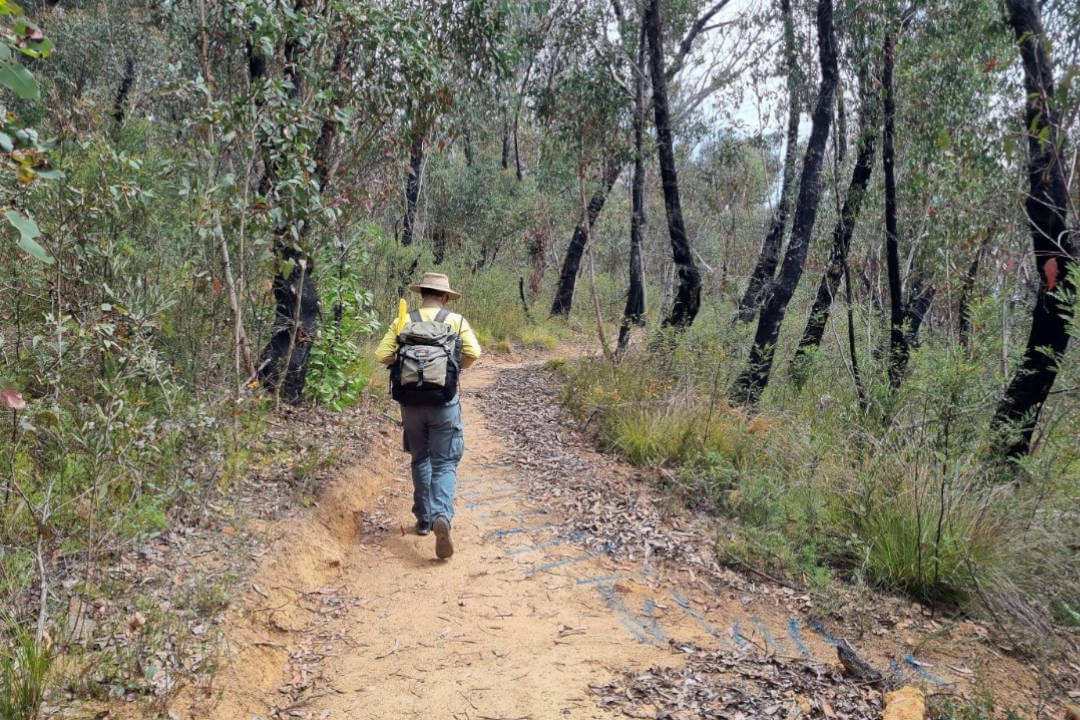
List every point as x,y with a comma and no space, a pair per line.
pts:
402,315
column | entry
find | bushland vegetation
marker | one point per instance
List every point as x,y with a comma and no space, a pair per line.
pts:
820,257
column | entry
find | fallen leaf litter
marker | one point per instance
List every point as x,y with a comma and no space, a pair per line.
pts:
738,685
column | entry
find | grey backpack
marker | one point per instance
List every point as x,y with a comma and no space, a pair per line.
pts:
428,361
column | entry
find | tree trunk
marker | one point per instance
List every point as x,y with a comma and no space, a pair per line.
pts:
1053,242
688,295
468,143
869,118
296,314
898,348
412,187
840,134
122,92
856,377
564,293
517,155
274,354
915,310
762,274
506,145
752,381
969,288
634,312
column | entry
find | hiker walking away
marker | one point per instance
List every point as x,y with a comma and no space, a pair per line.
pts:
426,351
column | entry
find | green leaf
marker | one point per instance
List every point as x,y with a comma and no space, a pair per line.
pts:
19,80
6,143
28,234
39,49
50,174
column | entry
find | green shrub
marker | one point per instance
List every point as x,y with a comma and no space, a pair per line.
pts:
340,366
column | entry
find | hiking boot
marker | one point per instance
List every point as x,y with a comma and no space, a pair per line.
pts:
423,527
444,546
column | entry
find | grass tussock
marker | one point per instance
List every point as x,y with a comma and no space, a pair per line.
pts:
25,666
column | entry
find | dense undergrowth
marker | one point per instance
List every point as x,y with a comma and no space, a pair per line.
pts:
897,493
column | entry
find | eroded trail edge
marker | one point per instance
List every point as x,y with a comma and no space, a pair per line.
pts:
570,572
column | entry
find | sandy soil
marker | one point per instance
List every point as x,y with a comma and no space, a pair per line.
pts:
349,614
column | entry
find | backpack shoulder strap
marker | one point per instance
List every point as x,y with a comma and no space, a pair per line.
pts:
414,316
442,315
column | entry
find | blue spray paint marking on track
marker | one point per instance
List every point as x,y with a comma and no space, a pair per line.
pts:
653,626
793,631
491,500
598,579
476,485
470,480
544,545
511,514
563,563
514,531
736,634
901,674
923,672
557,564
497,488
685,605
618,607
534,548
816,625
770,641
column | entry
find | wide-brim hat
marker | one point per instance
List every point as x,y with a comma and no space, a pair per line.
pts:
437,282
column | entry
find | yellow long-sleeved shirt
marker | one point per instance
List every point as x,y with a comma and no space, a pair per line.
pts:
470,345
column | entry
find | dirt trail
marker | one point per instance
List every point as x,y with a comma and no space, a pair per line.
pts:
350,616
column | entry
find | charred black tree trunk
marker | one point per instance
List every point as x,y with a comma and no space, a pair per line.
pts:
518,173
123,90
506,145
284,359
412,188
969,288
840,134
750,384
1055,251
467,138
856,376
915,309
869,119
688,295
276,351
898,347
634,312
564,293
762,275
